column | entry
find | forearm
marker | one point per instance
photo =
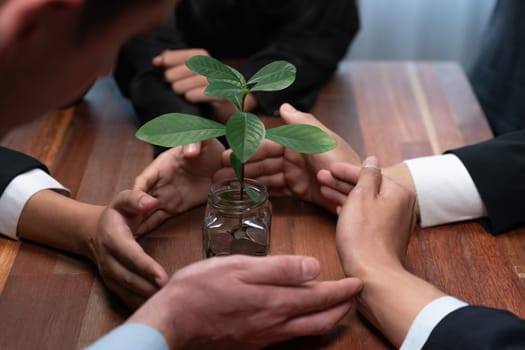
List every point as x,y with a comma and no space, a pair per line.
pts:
392,298
57,221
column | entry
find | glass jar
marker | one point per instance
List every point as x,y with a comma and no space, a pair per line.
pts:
234,223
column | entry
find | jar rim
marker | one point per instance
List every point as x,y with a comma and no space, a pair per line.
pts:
226,195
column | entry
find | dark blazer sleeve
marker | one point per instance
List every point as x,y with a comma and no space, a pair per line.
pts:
477,327
314,38
143,83
497,167
13,163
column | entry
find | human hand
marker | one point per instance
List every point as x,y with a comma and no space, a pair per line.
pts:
337,181
289,173
373,232
183,81
123,265
375,222
242,302
340,178
179,178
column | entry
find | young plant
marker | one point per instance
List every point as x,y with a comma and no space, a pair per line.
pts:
244,131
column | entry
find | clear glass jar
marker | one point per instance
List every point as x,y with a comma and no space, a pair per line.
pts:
234,223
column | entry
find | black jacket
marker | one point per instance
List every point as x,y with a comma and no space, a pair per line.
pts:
14,164
477,327
313,35
497,167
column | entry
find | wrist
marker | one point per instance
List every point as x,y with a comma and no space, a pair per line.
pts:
400,174
166,320
363,265
88,229
391,299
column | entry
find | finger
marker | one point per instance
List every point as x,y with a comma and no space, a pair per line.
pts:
224,173
192,150
197,95
157,61
326,179
153,221
286,270
334,196
147,180
273,183
292,116
176,57
267,166
268,149
316,296
370,176
126,252
345,172
134,201
129,298
315,323
178,72
185,86
135,267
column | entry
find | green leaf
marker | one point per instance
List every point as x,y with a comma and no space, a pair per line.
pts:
253,194
215,70
223,89
302,138
244,133
274,76
237,167
176,129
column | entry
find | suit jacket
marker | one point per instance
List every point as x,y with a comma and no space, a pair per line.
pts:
497,167
313,35
13,163
497,74
477,327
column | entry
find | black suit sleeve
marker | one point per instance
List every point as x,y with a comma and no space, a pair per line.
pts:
314,36
477,327
497,167
314,39
14,163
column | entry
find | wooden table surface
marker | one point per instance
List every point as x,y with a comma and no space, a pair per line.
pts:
51,300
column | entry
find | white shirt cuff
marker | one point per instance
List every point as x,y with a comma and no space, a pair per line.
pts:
18,192
445,191
427,319
131,336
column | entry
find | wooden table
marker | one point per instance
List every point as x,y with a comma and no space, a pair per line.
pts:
52,300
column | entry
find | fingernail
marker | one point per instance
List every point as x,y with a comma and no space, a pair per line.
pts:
159,281
145,200
371,162
157,60
289,108
190,148
310,268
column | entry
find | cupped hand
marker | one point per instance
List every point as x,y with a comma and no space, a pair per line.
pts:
179,179
375,222
289,173
241,302
122,263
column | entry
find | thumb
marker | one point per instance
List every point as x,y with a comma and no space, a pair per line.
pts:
192,150
370,176
292,116
134,202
